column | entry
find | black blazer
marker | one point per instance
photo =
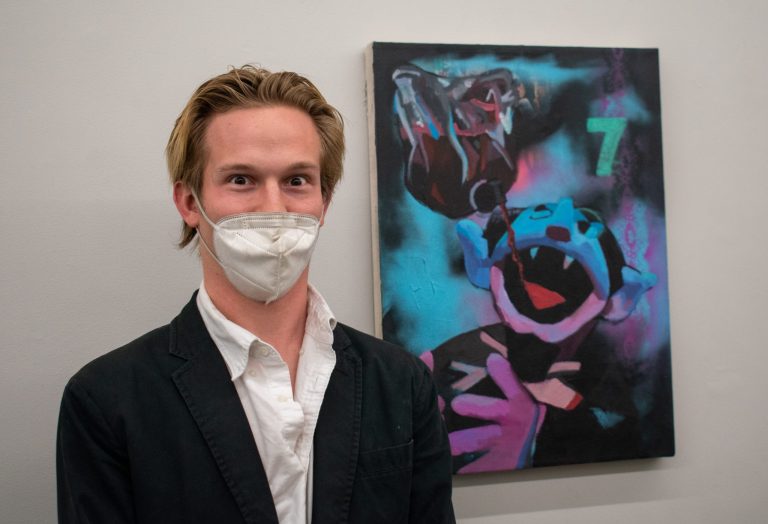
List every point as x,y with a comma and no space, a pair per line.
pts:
154,432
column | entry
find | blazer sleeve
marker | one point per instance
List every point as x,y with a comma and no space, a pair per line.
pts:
432,473
92,473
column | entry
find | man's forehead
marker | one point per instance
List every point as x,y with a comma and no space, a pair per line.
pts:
266,128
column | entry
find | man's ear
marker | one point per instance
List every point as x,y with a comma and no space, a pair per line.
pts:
624,301
185,203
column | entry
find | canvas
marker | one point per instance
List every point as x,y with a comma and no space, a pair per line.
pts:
520,247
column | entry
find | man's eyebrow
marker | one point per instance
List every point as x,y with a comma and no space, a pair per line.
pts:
304,165
250,167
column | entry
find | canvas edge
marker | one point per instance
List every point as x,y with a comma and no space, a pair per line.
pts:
372,166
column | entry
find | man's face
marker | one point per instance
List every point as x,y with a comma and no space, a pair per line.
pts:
261,160
264,159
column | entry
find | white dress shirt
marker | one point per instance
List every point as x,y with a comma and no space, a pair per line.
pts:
282,422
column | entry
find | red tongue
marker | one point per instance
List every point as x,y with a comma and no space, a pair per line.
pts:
541,297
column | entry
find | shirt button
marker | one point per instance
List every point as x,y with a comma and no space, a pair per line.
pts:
282,398
264,352
252,372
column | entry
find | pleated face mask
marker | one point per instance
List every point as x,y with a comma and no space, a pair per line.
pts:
262,254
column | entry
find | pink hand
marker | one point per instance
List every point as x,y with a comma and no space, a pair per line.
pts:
508,440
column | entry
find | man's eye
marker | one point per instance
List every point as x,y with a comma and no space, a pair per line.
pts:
239,180
296,181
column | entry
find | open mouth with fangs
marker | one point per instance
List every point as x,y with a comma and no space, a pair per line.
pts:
553,286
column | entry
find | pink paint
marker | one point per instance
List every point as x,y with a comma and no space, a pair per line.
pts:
524,179
554,392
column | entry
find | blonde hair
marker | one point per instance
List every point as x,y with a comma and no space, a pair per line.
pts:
247,87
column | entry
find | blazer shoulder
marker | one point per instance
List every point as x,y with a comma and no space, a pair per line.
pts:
372,350
158,350
126,362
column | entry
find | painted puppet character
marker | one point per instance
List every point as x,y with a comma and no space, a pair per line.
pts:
560,273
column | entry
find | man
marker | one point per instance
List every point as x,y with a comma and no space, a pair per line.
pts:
254,405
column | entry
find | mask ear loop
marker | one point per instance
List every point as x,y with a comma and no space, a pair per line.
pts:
202,211
199,235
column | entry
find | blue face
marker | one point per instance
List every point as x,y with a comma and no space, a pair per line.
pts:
570,270
566,276
561,247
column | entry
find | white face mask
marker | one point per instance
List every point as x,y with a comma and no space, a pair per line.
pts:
262,254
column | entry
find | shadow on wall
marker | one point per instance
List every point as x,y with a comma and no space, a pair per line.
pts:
563,487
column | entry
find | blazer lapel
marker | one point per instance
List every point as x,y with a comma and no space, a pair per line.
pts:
207,389
337,437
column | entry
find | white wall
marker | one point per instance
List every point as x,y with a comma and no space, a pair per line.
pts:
88,95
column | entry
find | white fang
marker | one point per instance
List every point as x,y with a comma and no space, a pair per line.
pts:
534,251
567,261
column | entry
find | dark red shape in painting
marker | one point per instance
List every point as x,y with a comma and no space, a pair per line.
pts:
558,233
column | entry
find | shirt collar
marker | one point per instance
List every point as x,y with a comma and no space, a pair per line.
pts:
235,342
320,319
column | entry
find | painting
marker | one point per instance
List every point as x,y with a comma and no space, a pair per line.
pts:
520,246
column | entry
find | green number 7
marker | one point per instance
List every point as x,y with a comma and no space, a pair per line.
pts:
613,129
